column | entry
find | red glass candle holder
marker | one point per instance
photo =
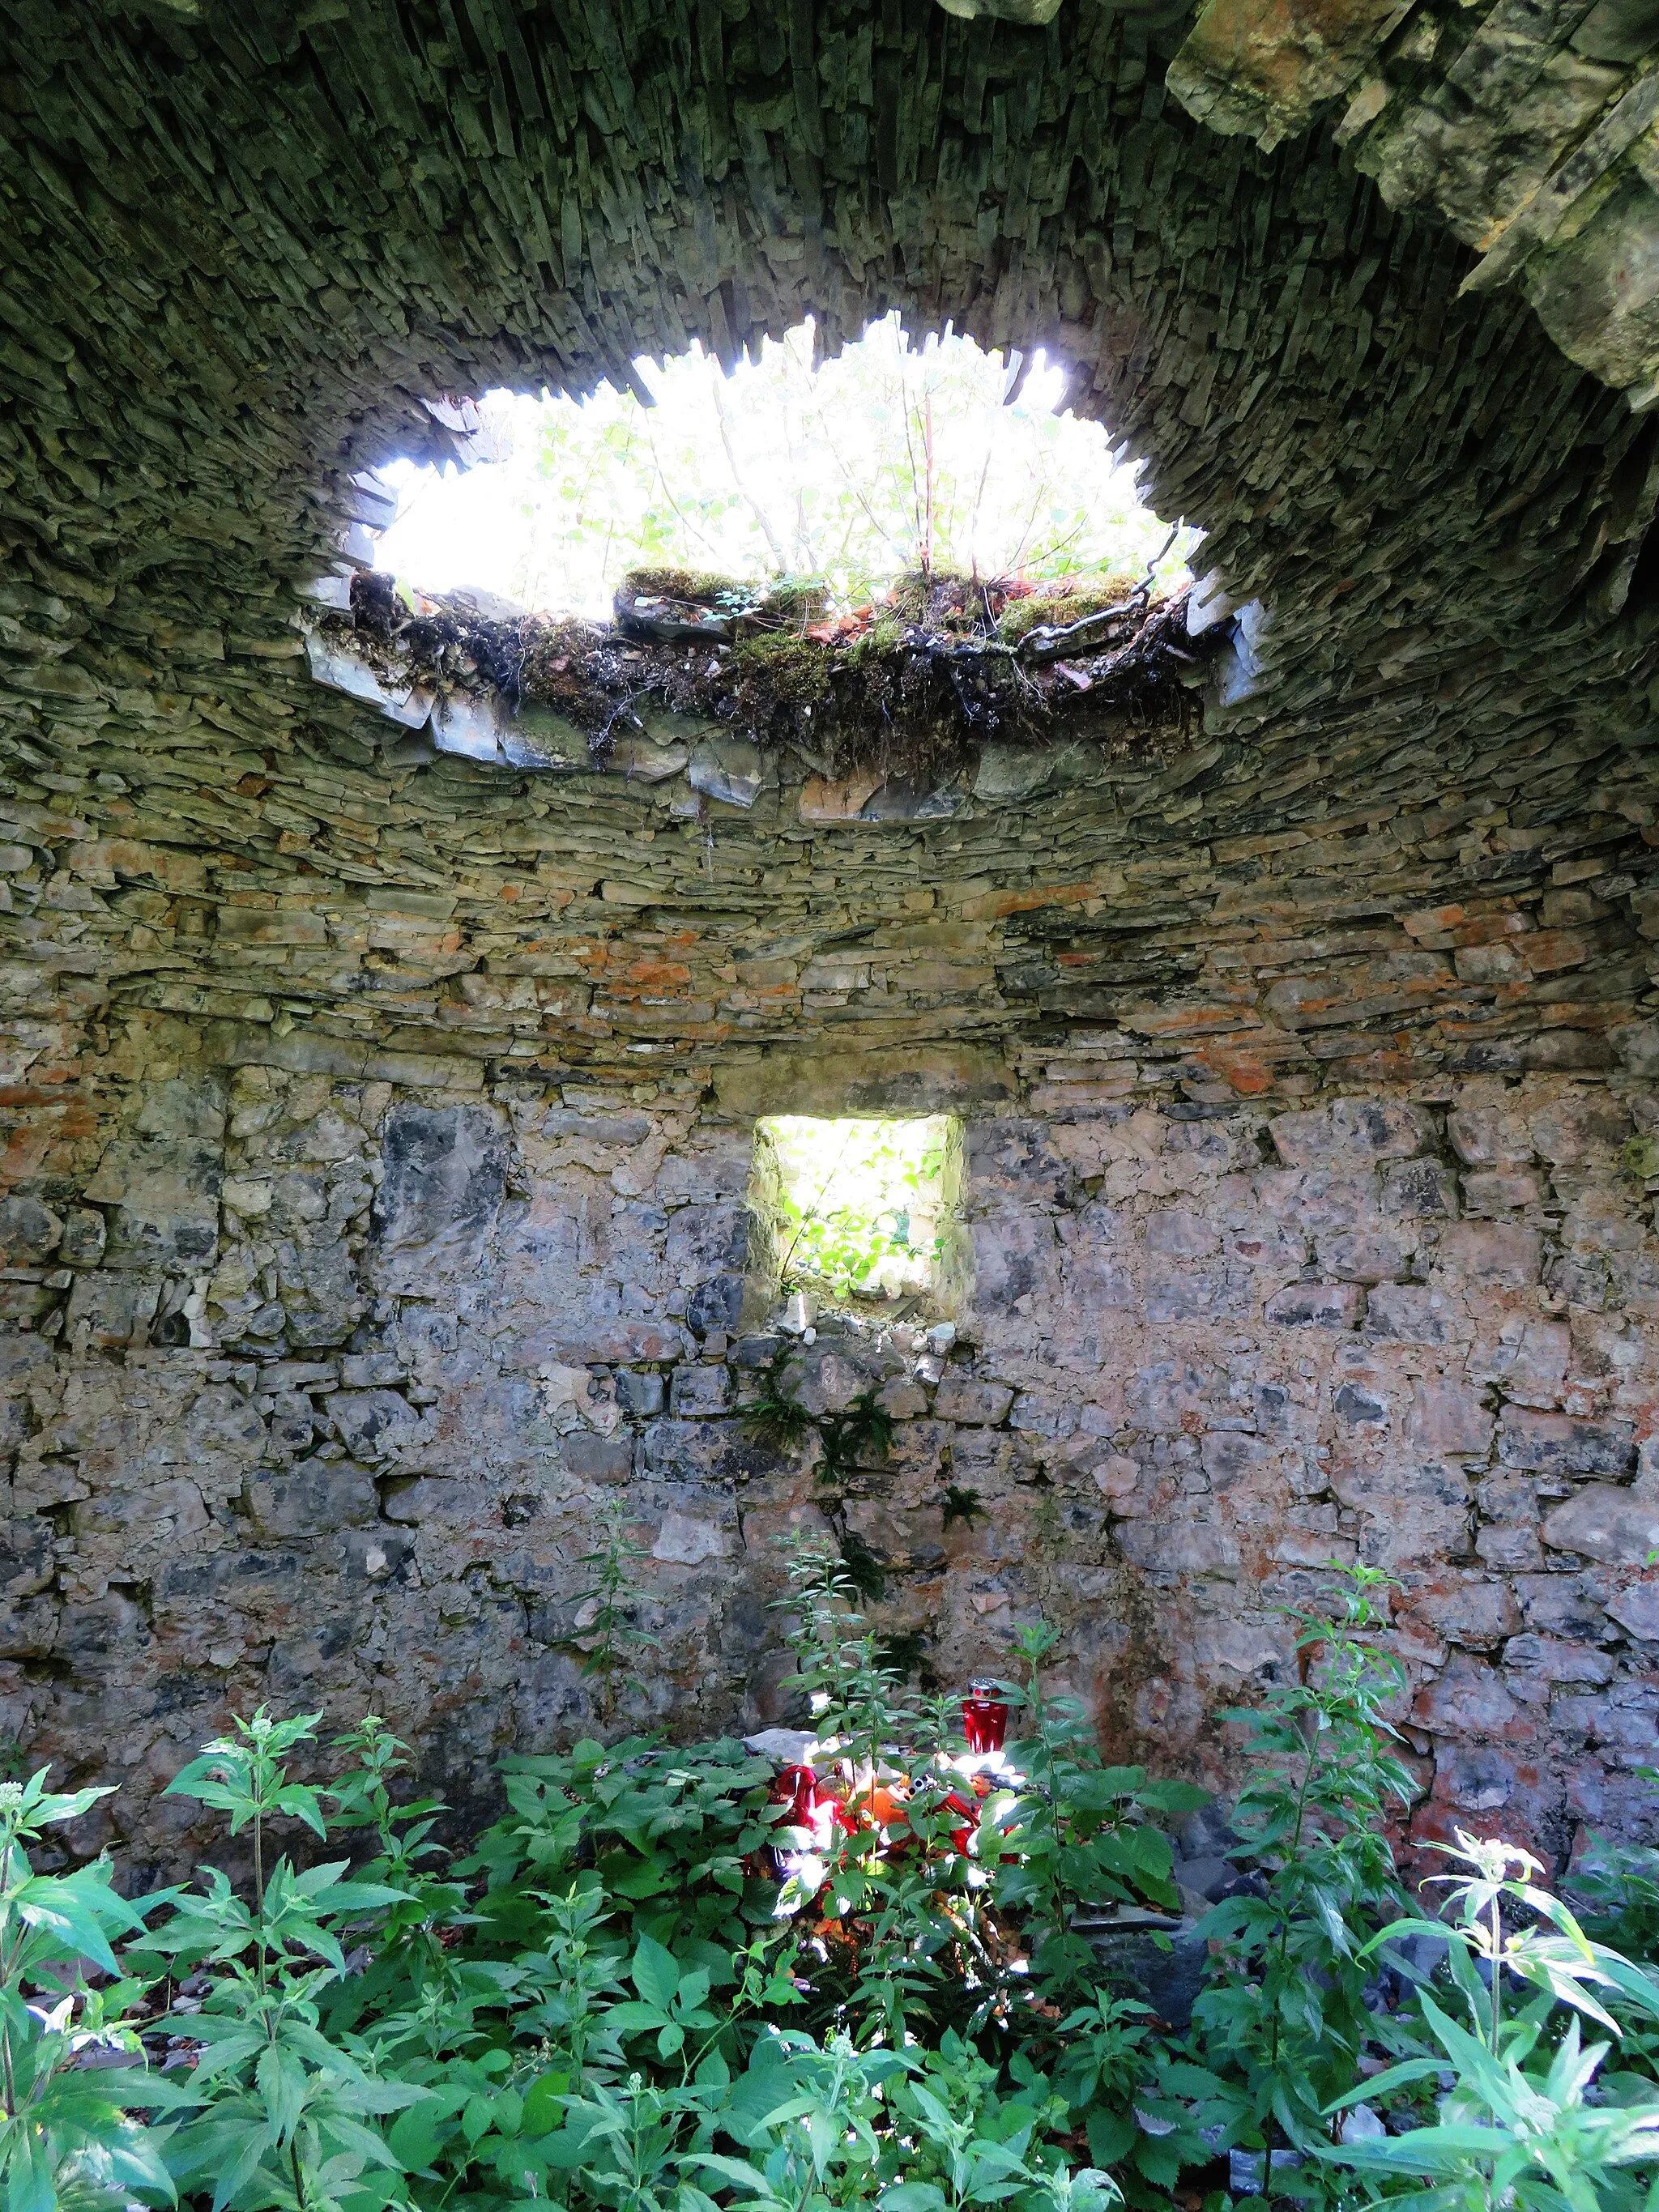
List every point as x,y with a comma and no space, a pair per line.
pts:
984,1717
813,1805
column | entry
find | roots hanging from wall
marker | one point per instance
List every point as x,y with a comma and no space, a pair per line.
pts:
912,684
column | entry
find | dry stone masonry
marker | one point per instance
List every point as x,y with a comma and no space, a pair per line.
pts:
375,1135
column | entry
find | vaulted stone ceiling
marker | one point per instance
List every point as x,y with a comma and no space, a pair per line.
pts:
245,243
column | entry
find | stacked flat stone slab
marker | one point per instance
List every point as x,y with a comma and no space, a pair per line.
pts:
1530,131
375,1122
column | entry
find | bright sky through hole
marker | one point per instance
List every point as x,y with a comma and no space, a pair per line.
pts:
849,473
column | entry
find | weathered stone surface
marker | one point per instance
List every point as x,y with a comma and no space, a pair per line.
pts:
376,1116
1600,1522
1555,1444
1316,1305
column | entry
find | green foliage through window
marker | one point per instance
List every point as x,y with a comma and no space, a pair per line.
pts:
862,1204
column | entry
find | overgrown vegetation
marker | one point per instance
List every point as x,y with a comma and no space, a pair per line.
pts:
674,1980
905,684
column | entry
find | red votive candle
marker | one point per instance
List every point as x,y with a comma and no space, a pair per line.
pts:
984,1717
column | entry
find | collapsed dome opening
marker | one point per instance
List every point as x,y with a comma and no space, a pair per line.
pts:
889,459
880,564
860,1212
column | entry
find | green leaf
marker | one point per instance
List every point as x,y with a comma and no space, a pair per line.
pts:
655,1973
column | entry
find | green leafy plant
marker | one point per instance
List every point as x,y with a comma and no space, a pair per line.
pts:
1616,1886
1285,2017
607,1639
613,2001
274,2112
66,2138
1522,2126
1072,1830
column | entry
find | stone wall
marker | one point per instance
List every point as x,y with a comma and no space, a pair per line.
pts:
314,1386
374,1125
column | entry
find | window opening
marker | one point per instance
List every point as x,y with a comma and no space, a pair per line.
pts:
860,1212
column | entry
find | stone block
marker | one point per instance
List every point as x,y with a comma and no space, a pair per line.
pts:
1475,1779
1476,1610
1449,1417
1605,1719
1510,1549
1489,1136
28,1232
445,1169
410,1499
1527,1360
1637,1609
371,1555
1363,1255
1044,1412
1502,1255
1164,1397
1468,1700
1408,1313
640,1394
274,925
1356,1405
112,1311
1176,1293
1601,1522
716,1304
370,1370
163,1196
1352,1133
85,1233
685,1540
1179,1547
1573,1129
732,770
1316,1305
1560,1445
596,1341
826,1376
828,799
314,1499
1419,1190
1561,1605
1230,1456
901,1398
371,1424
700,1452
1014,1257
1552,1659
1494,1191
697,1391
1179,1234
595,1458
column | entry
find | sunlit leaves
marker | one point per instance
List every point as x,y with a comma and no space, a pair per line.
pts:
891,456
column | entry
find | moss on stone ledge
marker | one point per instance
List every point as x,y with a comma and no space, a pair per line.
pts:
916,682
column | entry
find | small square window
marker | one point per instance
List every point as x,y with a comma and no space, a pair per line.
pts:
860,1213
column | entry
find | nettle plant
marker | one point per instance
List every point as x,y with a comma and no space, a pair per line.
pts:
668,1980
